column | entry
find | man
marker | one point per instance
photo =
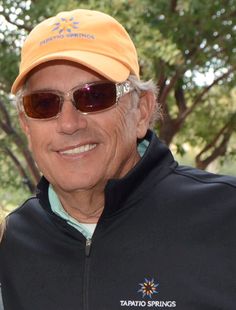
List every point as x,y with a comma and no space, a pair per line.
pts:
116,222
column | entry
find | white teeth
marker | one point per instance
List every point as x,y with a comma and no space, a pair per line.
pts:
80,149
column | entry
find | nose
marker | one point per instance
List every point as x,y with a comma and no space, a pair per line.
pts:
70,120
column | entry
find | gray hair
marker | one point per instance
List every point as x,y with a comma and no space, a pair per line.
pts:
146,86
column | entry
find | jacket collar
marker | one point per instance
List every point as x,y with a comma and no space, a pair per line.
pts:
156,163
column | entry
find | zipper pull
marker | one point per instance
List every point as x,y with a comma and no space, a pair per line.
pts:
88,246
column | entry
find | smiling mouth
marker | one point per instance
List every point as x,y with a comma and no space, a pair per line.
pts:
78,150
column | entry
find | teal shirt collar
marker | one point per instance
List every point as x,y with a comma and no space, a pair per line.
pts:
57,208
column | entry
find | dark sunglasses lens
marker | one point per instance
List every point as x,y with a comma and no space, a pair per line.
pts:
41,105
94,98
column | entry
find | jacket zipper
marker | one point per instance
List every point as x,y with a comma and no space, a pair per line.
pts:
88,247
86,273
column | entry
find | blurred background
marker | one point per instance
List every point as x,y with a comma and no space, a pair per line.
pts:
188,47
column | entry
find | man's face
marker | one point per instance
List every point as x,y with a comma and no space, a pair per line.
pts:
81,152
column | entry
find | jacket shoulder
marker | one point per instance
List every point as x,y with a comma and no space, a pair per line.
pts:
27,205
30,211
203,176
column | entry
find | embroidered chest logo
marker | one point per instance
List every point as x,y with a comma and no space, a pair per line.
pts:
149,289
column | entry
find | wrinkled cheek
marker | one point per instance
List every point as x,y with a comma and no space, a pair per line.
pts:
40,157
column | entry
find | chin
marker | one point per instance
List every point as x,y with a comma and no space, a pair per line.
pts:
74,186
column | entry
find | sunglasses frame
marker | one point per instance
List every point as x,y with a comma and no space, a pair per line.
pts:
121,90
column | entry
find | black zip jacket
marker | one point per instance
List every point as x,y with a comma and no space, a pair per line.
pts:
166,239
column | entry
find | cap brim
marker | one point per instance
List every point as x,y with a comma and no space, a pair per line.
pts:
108,67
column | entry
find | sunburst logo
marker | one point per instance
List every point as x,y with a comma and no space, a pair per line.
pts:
148,288
65,25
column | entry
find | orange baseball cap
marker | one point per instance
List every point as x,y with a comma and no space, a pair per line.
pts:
93,39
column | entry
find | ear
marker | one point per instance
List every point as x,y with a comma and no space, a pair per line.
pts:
146,107
25,127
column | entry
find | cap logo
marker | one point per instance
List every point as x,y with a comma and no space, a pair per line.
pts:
66,28
65,25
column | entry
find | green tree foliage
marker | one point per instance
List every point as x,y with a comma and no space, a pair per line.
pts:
179,43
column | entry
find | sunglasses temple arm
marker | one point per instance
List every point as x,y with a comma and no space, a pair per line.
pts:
123,89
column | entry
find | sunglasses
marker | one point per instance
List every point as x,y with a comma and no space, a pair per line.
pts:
89,98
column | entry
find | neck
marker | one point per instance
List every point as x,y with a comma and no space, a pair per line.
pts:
85,207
